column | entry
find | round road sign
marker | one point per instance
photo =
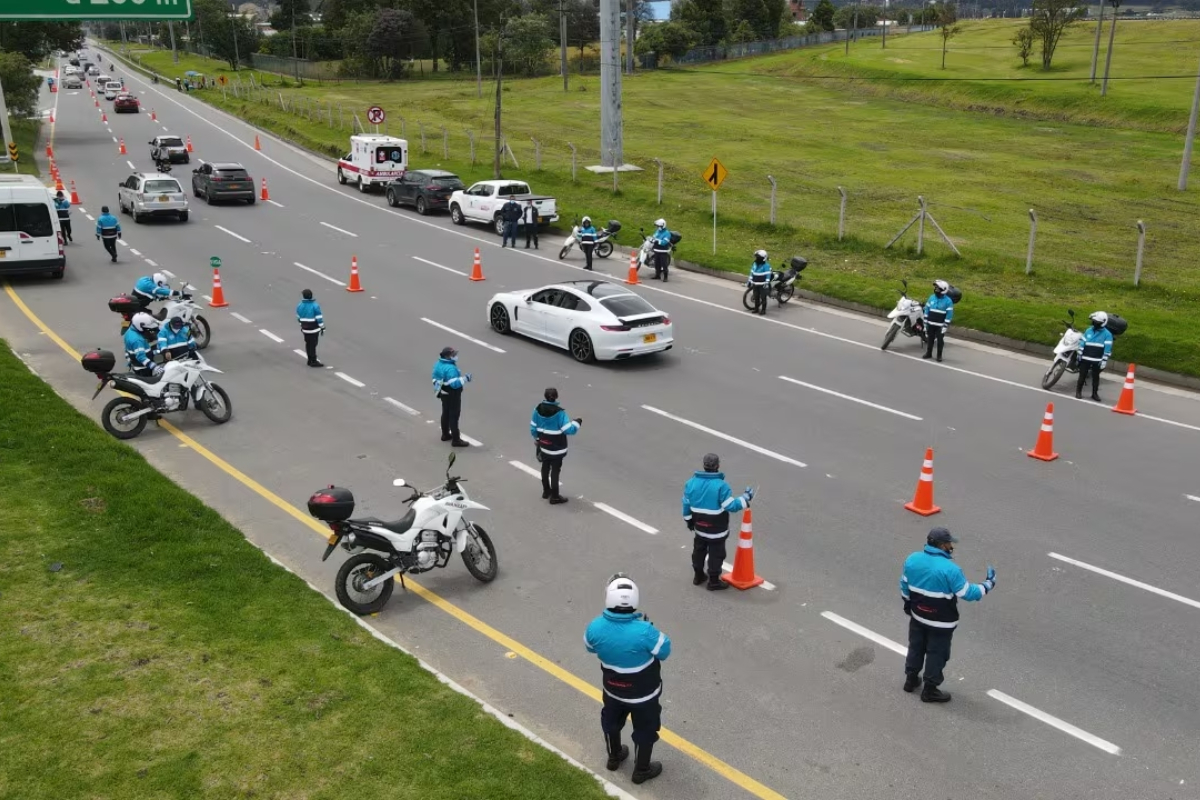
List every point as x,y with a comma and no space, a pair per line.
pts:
223,80
214,262
375,115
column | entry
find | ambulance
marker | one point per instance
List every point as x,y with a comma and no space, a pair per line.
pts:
373,160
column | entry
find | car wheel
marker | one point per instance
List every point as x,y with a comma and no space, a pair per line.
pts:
183,216
195,191
499,319
422,208
58,276
137,218
362,186
391,199
499,226
581,346
250,202
341,177
456,216
208,197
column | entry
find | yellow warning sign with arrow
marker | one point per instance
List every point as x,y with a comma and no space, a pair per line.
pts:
715,174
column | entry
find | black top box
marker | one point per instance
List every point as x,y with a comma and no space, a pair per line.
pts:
333,504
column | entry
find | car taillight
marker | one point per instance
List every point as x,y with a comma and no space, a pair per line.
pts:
666,320
432,188
60,244
614,327
217,178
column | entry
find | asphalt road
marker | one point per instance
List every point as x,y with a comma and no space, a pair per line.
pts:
771,682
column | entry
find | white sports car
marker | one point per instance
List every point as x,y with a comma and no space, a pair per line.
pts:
593,319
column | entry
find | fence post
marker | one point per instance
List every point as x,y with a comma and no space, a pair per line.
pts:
1032,237
341,117
660,177
771,178
572,161
330,115
402,127
471,137
537,153
445,143
612,156
921,225
842,215
1137,272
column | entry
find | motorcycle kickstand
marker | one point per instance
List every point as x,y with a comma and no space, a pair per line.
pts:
402,585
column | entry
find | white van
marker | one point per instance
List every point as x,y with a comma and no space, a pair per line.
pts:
31,240
373,160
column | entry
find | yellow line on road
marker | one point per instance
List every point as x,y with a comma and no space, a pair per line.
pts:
718,766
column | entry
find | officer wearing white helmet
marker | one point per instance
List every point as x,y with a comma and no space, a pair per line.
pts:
140,340
939,310
760,281
630,650
152,287
662,249
1094,350
587,239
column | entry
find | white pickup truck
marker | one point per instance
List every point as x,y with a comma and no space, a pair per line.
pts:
481,202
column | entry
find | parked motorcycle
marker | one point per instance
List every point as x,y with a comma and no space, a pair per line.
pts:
1066,352
183,306
424,538
604,245
150,398
781,286
907,317
646,251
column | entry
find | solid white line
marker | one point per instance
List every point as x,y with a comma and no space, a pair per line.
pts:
277,205
1192,497
440,266
469,440
866,633
1169,422
131,165
231,233
167,272
851,399
270,335
396,403
770,587
301,353
1154,589
528,470
1055,722
134,251
114,138
621,515
207,297
350,380
340,230
90,217
463,335
321,274
760,450
236,315
123,243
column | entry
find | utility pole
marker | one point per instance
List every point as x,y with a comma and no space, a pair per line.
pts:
499,79
562,39
174,52
1191,137
630,32
1112,34
478,61
1096,44
295,58
611,124
885,21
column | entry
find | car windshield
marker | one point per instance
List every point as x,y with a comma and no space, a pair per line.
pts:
513,189
628,305
446,183
170,141
162,185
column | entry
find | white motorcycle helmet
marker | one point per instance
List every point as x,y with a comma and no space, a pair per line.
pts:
660,223
760,256
621,594
144,323
1099,319
585,221
160,279
941,287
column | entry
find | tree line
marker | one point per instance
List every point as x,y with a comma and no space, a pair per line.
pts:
22,46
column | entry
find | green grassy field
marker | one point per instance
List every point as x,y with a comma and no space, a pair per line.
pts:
980,171
149,651
25,134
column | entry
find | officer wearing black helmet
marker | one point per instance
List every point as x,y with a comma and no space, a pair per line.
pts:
448,383
931,586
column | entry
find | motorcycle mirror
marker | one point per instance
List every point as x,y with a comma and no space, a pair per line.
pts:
905,282
1070,313
399,482
453,457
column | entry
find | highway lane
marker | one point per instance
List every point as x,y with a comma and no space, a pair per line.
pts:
738,408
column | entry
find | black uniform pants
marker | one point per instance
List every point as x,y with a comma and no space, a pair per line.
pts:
713,550
66,229
510,233
587,248
110,244
647,718
310,345
760,296
551,468
451,408
531,234
934,333
662,263
930,647
1084,368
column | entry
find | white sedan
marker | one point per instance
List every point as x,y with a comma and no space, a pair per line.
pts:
593,319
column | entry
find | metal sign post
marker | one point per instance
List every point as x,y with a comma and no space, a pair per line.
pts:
714,175
376,116
8,154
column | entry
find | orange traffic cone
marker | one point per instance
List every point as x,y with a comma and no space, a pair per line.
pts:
74,195
52,116
265,194
121,145
743,576
1044,449
153,116
477,268
218,297
257,146
922,502
633,269
97,101
58,184
354,286
1125,401
49,151
189,144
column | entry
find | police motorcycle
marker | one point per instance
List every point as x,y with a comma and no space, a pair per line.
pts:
908,317
645,253
781,286
604,245
1066,352
183,307
424,538
182,380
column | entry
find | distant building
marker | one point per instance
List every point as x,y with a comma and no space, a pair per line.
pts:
799,12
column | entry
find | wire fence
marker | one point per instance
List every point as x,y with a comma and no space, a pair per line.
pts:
703,55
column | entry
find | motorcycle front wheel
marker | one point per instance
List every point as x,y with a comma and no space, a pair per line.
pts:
748,299
201,332
113,417
357,571
890,335
215,404
1055,372
604,250
480,555
566,250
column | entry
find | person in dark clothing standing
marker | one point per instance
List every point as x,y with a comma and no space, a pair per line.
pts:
550,427
510,215
931,585
531,219
312,325
707,503
448,383
63,205
587,239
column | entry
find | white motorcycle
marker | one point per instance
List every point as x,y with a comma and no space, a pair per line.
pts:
183,306
908,317
182,380
424,538
604,245
646,256
1066,352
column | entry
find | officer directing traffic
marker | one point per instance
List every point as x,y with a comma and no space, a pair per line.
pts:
707,503
550,428
760,281
931,586
448,383
630,650
312,325
939,310
1094,350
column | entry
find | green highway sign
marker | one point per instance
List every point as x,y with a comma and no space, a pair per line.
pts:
51,10
214,262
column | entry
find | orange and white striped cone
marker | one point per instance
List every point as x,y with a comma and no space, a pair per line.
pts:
257,146
74,195
922,502
49,151
97,101
1044,449
189,144
477,268
218,296
354,286
265,194
121,145
58,184
153,116
1125,401
104,116
632,280
743,576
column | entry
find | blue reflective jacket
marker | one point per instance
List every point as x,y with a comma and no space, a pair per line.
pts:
760,273
108,226
939,310
708,500
148,289
551,427
662,240
1096,345
64,207
934,583
175,342
630,649
138,351
587,234
309,315
446,376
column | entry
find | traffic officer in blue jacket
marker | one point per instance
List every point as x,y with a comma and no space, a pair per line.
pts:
152,287
175,340
140,339
63,207
931,586
939,310
760,281
662,249
707,503
550,428
587,240
312,325
1094,350
448,383
108,230
631,651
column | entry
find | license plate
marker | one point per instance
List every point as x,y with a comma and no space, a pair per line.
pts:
162,198
3,253
650,338
235,186
333,539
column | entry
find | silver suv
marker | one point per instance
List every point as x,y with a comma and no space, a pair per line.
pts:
168,148
152,195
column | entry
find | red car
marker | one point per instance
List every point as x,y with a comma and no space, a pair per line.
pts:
126,102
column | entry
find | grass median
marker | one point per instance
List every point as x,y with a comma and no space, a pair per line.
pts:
149,651
980,172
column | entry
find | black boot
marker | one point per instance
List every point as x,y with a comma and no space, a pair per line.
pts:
715,584
1096,397
698,578
617,752
1079,394
557,500
911,683
932,694
643,768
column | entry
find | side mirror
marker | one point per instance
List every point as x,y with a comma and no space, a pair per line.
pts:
528,300
399,482
453,457
1070,313
905,282
150,143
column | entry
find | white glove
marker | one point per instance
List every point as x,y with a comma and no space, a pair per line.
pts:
1103,364
158,370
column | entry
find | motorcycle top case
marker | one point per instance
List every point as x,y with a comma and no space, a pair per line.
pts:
676,238
798,263
333,504
124,304
1116,325
955,294
99,362
613,226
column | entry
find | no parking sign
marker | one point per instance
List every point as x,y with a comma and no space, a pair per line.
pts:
375,115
